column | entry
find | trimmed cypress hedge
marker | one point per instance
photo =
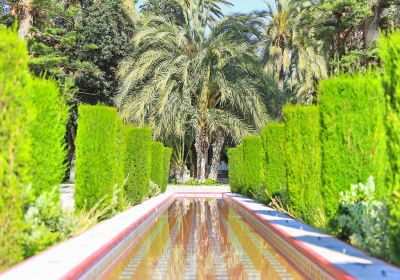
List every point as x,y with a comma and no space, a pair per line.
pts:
47,132
253,163
234,159
389,49
273,137
15,146
353,135
157,163
138,163
303,161
97,154
166,167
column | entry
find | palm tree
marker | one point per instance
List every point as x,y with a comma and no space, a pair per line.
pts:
192,80
291,55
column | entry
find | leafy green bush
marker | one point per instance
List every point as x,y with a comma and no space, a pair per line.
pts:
138,163
363,220
47,132
353,134
15,116
303,161
157,163
275,165
253,164
166,167
44,219
389,49
97,154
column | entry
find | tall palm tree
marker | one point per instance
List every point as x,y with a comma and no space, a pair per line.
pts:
192,80
291,55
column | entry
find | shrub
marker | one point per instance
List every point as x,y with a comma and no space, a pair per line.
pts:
47,132
44,219
15,145
166,167
363,220
97,168
303,161
353,134
389,49
275,165
157,163
253,164
234,159
138,163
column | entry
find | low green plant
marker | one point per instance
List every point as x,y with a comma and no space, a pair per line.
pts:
363,220
44,222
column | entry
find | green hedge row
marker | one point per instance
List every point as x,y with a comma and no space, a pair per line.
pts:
138,163
97,152
157,163
273,137
353,134
15,145
303,162
389,48
32,129
47,135
112,158
166,167
235,158
253,165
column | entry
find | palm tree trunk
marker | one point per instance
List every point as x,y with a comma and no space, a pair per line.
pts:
25,19
216,154
201,145
281,77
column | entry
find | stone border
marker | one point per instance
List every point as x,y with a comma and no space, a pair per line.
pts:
317,255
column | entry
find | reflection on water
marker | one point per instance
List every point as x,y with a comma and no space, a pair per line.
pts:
202,239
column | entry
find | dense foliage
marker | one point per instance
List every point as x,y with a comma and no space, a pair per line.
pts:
303,162
363,220
273,138
47,131
166,168
390,54
353,134
235,158
137,163
157,163
15,147
96,156
253,165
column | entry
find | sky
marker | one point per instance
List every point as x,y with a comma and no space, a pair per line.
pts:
242,6
245,6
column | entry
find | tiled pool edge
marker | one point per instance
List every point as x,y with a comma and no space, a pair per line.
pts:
62,262
331,258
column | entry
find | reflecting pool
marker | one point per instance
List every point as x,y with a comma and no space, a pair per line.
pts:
202,239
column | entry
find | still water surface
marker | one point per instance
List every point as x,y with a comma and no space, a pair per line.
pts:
202,239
